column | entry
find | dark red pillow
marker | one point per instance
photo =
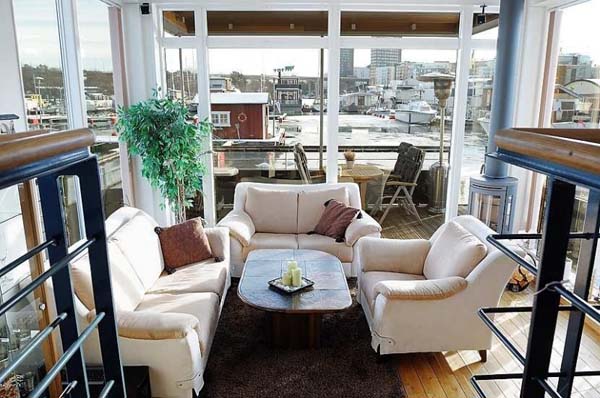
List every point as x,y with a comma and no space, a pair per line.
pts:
183,244
335,220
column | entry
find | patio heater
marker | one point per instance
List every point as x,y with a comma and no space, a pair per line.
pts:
438,172
492,195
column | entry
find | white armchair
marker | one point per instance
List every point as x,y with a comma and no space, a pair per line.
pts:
423,295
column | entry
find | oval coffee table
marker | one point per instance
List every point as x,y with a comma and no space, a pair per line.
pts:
294,320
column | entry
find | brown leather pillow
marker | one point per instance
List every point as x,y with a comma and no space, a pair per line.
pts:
335,220
183,244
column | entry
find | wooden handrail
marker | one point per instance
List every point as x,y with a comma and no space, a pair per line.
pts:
11,137
575,148
32,146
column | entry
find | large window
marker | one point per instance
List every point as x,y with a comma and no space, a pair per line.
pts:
479,108
100,101
576,97
389,99
41,66
263,103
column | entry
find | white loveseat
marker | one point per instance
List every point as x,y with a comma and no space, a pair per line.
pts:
166,322
280,216
423,295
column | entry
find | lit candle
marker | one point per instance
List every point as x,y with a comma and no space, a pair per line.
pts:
297,277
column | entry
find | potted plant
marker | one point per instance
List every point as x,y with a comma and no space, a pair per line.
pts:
169,145
349,155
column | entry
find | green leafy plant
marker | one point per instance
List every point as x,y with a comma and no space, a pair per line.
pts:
170,147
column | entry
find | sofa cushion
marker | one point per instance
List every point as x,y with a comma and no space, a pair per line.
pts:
127,289
335,220
272,211
206,276
141,247
326,244
203,306
183,244
455,252
368,280
310,206
271,241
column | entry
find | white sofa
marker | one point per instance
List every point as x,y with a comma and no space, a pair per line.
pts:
166,322
279,216
423,295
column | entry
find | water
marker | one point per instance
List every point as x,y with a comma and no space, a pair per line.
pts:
367,130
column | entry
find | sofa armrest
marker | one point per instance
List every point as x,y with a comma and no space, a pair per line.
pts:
431,289
147,325
218,238
392,255
240,226
360,227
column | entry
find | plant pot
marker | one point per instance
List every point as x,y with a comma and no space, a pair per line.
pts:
349,164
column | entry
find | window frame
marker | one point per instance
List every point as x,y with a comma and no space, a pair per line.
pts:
333,42
219,115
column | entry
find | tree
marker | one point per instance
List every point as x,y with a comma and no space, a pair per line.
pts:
238,80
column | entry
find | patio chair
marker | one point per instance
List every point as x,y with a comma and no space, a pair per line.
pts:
302,166
403,181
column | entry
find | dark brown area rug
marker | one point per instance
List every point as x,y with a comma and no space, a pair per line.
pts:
241,364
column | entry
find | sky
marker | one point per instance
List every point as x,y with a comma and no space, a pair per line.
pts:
38,42
37,33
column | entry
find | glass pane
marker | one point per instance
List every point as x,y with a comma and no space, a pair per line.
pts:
267,23
576,98
179,23
387,101
41,67
96,57
181,83
182,75
479,107
264,102
20,324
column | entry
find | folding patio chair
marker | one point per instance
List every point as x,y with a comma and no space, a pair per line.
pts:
403,181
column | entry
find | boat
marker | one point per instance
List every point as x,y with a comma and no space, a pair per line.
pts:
484,122
415,112
316,107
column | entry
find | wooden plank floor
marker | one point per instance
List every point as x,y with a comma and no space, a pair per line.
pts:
447,374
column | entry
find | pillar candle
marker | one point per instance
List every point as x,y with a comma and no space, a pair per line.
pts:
286,278
292,264
297,277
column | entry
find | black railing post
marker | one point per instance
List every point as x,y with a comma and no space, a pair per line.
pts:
91,196
54,227
583,281
557,224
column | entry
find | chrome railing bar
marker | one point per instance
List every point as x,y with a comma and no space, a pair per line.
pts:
67,355
31,253
33,344
54,269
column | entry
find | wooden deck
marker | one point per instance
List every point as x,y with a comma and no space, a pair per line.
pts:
447,374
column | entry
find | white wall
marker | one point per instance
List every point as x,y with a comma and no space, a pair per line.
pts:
141,71
529,91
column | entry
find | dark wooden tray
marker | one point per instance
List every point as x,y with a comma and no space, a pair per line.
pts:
277,285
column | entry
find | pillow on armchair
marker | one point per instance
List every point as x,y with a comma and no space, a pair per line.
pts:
456,252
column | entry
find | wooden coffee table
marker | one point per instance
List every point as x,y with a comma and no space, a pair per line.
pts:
294,320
